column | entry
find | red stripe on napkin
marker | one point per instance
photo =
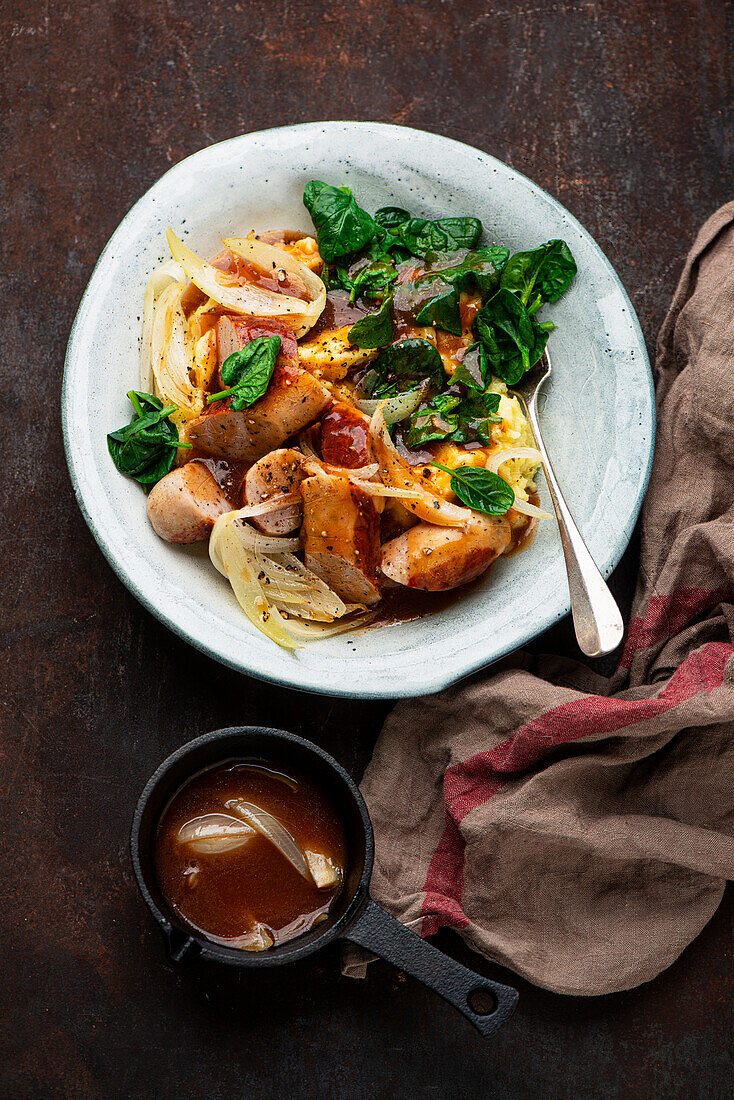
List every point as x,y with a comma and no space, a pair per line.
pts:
666,616
471,783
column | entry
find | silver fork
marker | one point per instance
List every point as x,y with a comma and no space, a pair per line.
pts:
596,618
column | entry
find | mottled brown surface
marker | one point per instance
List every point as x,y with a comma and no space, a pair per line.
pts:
624,112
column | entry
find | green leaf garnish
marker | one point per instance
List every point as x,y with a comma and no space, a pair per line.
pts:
342,227
145,449
473,370
442,310
477,271
374,280
422,237
513,342
454,418
398,367
480,489
540,275
248,372
391,217
375,330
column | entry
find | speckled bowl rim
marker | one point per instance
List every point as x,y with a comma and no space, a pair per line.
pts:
365,691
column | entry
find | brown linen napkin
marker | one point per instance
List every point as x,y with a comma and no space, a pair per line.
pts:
577,829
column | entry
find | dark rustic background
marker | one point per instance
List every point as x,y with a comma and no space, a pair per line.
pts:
622,110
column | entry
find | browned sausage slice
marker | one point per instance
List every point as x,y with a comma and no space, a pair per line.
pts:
279,472
435,559
341,531
293,401
183,506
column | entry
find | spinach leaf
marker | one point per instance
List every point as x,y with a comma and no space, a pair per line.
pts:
473,371
248,372
421,237
477,271
480,489
540,275
336,277
374,280
391,217
442,310
375,330
398,367
449,416
436,419
477,415
512,340
145,449
386,243
342,227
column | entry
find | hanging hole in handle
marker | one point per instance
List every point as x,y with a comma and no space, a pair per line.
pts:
482,1002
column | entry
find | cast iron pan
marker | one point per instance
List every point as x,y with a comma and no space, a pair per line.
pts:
354,916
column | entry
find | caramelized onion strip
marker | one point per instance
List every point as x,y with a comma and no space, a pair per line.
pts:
395,473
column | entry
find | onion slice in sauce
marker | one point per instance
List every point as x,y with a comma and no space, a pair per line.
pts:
270,257
249,298
171,356
528,454
214,833
169,272
272,504
396,473
394,409
257,938
365,472
505,454
274,831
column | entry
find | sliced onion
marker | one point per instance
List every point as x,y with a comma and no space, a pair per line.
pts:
263,544
396,473
377,489
319,602
274,830
250,299
505,454
240,566
307,450
363,472
528,509
167,273
527,454
257,938
314,632
171,357
394,409
268,580
213,833
272,504
325,873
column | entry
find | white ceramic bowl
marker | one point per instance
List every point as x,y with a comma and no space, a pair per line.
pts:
598,422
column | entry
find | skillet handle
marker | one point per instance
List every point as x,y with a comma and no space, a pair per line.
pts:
486,1004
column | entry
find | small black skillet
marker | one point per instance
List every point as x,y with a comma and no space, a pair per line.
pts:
354,916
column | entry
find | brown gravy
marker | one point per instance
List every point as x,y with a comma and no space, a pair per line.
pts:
228,474
225,894
337,313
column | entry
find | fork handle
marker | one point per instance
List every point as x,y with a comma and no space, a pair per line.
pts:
597,620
